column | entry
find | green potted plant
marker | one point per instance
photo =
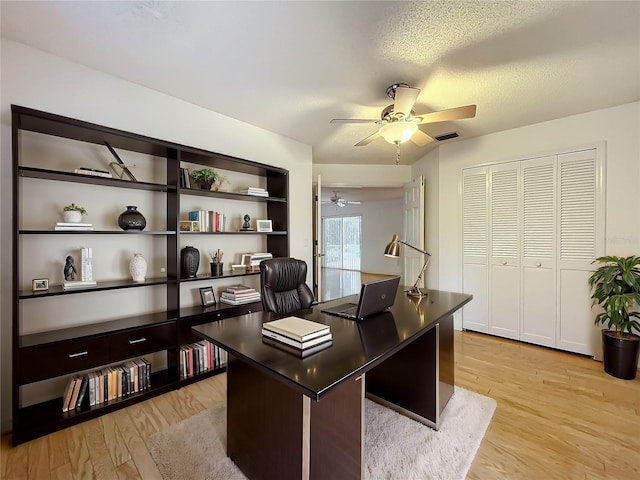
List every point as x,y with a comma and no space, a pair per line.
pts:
616,288
205,177
73,213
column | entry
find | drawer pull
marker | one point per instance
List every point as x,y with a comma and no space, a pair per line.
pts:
139,340
79,354
538,265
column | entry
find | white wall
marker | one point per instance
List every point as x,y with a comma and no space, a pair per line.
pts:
380,220
34,79
618,127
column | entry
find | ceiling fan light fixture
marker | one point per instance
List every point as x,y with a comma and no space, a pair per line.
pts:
398,132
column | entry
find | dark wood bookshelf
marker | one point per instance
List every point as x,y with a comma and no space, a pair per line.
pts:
111,341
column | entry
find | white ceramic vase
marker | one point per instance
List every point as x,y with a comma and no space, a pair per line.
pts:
138,267
72,216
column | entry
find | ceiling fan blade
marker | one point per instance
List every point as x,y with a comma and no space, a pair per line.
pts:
368,140
404,99
353,120
420,138
457,113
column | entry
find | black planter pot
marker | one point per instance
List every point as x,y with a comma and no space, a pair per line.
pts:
620,355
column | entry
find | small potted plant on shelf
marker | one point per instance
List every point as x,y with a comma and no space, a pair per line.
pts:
205,177
73,213
616,288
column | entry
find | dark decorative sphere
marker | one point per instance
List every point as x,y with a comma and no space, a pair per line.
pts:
189,261
132,219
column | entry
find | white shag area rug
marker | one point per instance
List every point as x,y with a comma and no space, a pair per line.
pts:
396,447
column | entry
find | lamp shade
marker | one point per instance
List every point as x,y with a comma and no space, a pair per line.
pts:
393,247
398,132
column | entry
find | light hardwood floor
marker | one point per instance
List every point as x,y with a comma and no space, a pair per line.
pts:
558,416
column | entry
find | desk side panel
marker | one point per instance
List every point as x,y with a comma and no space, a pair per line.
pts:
264,424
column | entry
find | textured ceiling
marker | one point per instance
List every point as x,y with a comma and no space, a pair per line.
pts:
290,67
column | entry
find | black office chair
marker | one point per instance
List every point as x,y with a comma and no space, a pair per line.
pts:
283,287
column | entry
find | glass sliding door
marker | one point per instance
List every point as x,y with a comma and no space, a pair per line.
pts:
342,238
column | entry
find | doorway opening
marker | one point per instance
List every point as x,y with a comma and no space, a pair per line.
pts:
342,246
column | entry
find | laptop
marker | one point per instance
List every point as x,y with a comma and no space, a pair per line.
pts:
375,297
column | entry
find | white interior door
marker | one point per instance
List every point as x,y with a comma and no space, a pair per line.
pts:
413,231
317,240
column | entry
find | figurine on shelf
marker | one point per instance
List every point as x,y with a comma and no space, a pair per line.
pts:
246,226
69,269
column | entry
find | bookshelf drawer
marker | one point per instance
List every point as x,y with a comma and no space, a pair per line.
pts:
61,358
141,341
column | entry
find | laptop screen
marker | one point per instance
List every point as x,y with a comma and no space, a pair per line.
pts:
377,296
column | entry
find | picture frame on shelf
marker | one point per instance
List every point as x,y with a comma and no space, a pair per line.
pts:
207,296
264,226
189,226
40,284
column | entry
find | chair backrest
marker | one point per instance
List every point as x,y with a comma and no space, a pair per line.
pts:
282,285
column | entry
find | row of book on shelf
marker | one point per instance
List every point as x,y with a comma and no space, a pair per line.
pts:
205,221
239,295
297,335
107,384
199,357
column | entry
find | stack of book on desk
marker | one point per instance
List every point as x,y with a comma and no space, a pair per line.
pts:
297,335
239,295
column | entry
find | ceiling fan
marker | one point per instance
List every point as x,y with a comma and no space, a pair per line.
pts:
398,121
338,201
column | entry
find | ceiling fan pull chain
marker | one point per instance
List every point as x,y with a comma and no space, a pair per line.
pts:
397,153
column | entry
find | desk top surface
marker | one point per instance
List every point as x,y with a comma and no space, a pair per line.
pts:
357,345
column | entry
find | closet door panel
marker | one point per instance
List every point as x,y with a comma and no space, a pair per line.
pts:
581,240
539,293
504,278
475,248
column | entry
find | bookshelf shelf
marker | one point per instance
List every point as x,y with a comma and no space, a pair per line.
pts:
111,341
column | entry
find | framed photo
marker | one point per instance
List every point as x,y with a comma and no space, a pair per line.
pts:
264,226
187,226
40,284
207,296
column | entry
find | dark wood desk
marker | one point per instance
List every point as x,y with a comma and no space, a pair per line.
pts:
303,418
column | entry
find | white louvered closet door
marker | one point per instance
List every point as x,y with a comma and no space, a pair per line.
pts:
504,258
539,293
475,248
581,240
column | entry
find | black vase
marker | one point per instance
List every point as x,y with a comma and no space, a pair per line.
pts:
132,219
189,261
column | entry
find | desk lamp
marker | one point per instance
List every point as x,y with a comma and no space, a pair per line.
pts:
393,250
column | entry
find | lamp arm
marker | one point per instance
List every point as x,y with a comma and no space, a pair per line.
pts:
419,279
415,248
